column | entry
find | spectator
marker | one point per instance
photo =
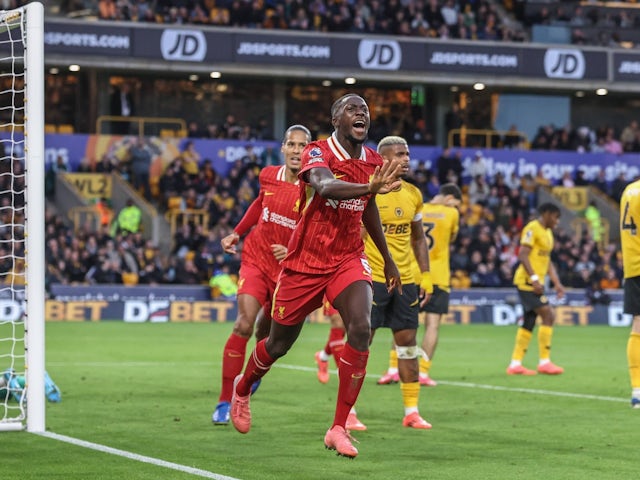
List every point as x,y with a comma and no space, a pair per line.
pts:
223,285
190,159
140,159
618,186
592,215
122,105
478,191
449,167
600,182
129,219
478,166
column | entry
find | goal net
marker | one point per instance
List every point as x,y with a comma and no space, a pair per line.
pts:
22,218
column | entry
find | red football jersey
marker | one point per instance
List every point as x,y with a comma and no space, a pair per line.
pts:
328,231
280,212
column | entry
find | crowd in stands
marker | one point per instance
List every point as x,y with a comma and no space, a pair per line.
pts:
484,255
462,19
603,23
456,19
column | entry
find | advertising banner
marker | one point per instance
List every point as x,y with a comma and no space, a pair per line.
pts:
176,303
284,48
626,67
224,153
84,38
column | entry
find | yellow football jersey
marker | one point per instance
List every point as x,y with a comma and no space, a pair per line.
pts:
540,239
629,215
397,210
440,224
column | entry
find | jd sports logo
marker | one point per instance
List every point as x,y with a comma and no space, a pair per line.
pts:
564,63
380,54
183,45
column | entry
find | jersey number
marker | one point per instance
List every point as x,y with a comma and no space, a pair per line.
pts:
627,221
428,228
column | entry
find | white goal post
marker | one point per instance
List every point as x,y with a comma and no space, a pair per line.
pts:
22,218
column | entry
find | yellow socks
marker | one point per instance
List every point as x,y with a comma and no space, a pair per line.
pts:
393,360
523,337
545,332
633,358
425,366
410,395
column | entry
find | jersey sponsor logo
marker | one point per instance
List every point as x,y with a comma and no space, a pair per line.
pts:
183,45
379,54
332,203
273,217
395,229
315,152
564,63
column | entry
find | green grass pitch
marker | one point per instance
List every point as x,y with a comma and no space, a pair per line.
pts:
149,390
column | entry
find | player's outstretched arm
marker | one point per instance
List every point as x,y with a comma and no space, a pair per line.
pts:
248,221
383,180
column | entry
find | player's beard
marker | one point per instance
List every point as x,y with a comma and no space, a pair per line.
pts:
357,141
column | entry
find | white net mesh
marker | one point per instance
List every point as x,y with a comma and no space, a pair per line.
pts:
12,216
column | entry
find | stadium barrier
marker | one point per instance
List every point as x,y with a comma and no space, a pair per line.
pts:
176,303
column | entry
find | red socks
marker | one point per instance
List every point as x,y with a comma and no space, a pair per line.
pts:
258,365
335,345
351,371
232,363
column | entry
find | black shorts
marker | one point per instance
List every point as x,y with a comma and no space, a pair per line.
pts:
532,301
632,296
395,311
438,303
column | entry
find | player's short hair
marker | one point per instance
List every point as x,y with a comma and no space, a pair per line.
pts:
391,140
451,189
338,103
548,207
294,128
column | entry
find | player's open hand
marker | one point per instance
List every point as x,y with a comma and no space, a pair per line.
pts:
386,178
229,242
392,276
279,251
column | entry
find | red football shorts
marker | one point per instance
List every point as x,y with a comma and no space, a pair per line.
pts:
298,294
253,281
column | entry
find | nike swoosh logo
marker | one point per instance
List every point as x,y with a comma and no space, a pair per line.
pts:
357,375
339,176
414,303
233,355
269,193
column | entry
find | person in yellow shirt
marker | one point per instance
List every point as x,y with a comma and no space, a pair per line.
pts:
440,221
401,216
536,245
630,240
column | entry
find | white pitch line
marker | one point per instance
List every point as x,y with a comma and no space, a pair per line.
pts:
313,369
134,456
486,387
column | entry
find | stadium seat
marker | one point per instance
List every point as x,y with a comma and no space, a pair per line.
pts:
65,128
174,203
130,278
